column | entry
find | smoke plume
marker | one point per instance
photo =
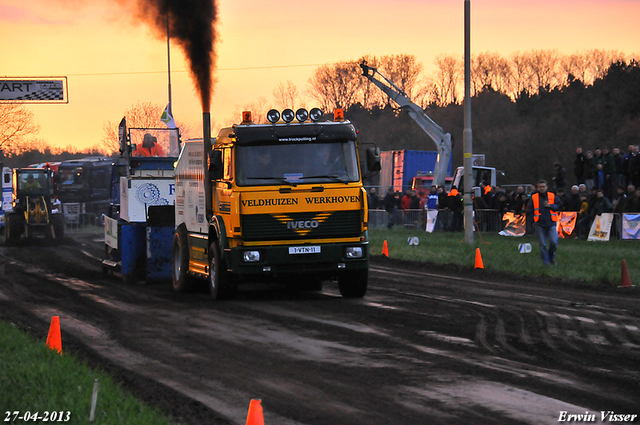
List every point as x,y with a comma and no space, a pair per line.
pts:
192,25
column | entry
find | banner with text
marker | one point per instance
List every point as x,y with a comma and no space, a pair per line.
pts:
601,227
34,90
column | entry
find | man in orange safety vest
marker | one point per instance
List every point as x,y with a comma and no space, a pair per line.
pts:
545,206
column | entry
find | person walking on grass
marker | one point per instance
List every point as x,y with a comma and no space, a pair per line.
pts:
545,206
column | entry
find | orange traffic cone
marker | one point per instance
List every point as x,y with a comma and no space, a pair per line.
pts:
255,416
479,264
625,279
385,249
54,341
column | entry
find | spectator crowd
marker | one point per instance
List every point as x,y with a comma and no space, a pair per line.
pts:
604,181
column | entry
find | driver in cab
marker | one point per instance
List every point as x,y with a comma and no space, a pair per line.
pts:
150,147
31,184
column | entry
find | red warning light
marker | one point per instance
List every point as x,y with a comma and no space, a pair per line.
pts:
338,114
246,117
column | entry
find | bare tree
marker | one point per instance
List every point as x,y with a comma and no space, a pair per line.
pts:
141,115
404,70
448,77
544,68
599,61
490,70
370,96
287,96
258,109
336,86
16,127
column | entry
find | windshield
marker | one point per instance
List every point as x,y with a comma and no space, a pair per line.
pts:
71,178
291,163
34,182
155,142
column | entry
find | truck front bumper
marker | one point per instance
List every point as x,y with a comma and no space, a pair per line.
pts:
321,259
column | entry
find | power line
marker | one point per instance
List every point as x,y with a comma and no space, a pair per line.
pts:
249,68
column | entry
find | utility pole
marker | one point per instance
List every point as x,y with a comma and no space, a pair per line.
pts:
169,63
467,134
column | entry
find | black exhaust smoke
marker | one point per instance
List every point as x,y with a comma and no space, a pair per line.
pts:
192,24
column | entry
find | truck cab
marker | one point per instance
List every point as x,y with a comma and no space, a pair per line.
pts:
286,202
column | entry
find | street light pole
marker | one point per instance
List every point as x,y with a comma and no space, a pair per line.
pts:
467,136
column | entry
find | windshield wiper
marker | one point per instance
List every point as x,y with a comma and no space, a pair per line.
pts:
279,179
334,178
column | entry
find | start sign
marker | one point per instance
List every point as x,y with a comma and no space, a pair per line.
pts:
46,89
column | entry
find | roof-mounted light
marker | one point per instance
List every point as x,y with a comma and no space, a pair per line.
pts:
315,114
302,115
273,116
246,117
338,114
288,115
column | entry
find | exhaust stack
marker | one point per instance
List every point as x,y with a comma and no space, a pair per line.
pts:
206,128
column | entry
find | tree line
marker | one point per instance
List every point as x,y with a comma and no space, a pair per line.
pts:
529,109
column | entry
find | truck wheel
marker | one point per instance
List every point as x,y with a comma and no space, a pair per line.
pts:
221,284
353,284
182,282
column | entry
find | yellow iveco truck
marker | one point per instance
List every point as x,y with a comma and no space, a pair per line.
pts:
280,201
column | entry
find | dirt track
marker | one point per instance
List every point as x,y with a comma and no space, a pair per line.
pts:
425,345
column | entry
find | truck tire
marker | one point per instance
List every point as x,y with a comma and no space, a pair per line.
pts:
353,284
182,282
221,284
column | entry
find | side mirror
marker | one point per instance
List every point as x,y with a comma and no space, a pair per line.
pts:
215,165
373,159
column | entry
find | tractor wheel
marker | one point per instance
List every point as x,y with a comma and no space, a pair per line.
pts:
58,226
12,228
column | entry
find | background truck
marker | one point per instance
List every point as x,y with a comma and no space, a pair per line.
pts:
83,188
7,192
35,211
404,169
487,175
281,201
140,223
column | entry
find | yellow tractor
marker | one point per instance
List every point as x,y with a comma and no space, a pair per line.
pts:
36,212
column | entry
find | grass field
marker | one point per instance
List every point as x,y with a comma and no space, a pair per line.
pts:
596,263
59,388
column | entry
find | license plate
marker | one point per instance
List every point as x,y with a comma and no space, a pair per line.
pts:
304,249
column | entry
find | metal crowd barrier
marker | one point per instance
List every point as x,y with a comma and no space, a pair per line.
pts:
84,223
485,221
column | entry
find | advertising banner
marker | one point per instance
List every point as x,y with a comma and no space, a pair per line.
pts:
630,226
36,90
601,228
567,224
514,226
432,215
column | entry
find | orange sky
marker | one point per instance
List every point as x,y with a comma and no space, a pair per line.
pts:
112,62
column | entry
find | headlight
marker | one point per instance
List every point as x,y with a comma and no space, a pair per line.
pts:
288,115
302,115
354,252
273,116
315,114
251,256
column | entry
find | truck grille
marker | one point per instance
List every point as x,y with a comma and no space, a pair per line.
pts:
314,225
